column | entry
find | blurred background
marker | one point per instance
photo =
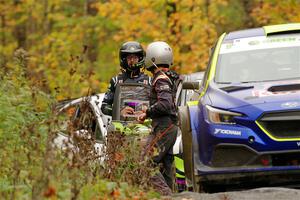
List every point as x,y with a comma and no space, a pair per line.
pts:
68,47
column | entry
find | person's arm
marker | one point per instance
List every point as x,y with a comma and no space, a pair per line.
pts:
108,100
165,103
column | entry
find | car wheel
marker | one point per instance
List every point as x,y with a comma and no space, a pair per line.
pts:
184,119
193,183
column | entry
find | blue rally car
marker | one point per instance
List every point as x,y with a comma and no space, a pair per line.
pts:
245,128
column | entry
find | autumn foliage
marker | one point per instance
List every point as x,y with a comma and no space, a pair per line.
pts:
64,37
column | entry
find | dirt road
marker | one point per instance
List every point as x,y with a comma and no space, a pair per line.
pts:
267,193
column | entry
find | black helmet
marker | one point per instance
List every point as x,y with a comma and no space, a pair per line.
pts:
131,47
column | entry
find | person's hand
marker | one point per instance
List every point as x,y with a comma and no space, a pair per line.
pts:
144,108
127,111
139,112
141,118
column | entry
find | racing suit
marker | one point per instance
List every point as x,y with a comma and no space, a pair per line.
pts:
122,77
163,112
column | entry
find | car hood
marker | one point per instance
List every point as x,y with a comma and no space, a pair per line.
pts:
233,96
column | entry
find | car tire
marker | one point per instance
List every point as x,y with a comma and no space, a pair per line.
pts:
184,123
193,182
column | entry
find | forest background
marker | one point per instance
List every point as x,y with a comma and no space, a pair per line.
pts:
82,37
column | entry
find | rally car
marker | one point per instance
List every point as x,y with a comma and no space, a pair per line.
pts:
245,127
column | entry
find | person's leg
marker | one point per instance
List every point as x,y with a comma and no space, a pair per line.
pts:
165,145
167,170
159,184
164,140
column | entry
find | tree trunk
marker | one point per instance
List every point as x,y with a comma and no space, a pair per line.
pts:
248,6
3,43
20,31
45,22
206,7
171,9
90,48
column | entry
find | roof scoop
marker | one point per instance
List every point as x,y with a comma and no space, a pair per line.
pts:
234,88
282,88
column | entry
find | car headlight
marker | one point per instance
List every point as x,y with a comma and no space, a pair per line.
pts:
219,116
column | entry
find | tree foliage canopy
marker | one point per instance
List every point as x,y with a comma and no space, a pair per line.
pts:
81,38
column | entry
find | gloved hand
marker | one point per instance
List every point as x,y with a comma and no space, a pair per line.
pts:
127,111
141,114
141,118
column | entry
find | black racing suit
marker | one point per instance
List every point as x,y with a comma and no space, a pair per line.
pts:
122,77
163,112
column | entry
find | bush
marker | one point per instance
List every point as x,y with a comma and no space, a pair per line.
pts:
32,168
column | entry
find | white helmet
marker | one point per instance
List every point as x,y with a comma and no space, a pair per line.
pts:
158,53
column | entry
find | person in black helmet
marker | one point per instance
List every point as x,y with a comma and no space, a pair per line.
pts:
132,58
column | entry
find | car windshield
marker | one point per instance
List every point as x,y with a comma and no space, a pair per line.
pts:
261,64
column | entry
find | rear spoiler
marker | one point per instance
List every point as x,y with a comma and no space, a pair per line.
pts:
282,29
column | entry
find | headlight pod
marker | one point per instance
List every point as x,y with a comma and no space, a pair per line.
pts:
219,116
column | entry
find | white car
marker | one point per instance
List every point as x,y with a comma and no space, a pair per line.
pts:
86,113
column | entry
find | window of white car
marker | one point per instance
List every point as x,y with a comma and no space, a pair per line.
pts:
77,117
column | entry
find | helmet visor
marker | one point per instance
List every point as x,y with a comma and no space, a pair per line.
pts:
132,60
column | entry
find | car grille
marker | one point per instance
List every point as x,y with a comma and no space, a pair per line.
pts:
281,125
231,155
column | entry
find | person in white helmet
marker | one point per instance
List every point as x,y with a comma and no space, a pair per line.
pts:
162,110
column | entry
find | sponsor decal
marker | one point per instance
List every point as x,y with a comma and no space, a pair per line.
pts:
298,144
281,39
254,42
260,42
228,46
164,87
263,92
227,132
290,104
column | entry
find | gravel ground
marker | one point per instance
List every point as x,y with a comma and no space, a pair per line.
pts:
267,193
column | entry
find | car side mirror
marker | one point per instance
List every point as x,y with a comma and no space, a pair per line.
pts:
191,85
